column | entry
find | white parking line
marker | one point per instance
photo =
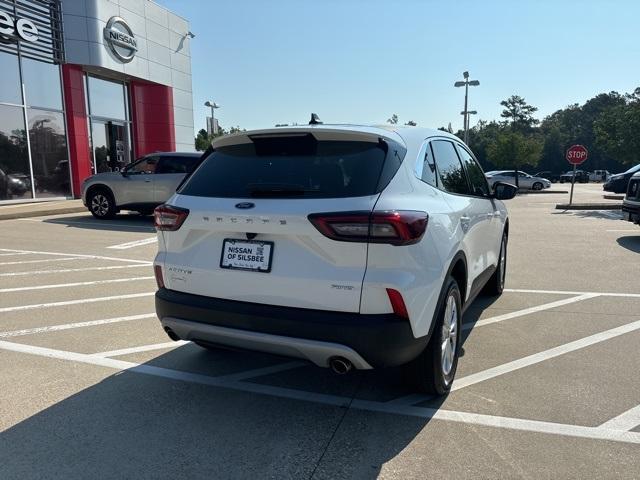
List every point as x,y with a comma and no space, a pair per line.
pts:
564,292
136,243
143,348
544,355
75,302
527,311
69,326
69,270
624,231
42,260
596,433
75,284
80,255
625,421
534,426
12,254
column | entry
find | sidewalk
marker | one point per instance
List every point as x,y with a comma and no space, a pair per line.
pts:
25,210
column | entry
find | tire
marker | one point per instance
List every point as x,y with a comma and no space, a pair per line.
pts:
101,204
495,285
433,371
537,186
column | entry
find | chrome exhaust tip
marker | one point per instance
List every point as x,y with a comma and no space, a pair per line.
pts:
340,365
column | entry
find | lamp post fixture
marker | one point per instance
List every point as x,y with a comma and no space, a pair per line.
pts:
466,83
213,106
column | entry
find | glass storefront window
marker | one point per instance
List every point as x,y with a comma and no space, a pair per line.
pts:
10,87
41,84
15,175
49,156
106,99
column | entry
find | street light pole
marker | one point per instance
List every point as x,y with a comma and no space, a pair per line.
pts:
213,106
466,83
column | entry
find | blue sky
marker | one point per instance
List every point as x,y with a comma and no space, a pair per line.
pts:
268,62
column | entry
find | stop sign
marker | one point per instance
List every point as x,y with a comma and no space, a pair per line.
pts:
576,154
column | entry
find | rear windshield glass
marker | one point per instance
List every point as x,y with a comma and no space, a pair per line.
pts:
290,167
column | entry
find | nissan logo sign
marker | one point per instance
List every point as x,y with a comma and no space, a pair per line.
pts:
120,39
23,29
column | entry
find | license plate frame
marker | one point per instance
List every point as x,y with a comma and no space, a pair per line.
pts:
261,243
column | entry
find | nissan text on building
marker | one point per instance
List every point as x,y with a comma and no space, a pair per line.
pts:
87,86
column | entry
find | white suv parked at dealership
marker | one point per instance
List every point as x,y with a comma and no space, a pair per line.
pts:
349,246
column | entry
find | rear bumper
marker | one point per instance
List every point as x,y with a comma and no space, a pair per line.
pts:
631,211
382,340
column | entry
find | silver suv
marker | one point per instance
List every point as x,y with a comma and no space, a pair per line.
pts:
140,186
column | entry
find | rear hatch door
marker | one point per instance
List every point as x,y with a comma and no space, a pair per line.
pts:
248,237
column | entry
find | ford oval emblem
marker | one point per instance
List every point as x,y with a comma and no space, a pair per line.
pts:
245,205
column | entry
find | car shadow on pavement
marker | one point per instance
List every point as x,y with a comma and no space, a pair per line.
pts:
133,425
122,222
630,242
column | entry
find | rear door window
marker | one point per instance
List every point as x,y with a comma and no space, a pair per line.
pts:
477,180
296,166
176,164
451,175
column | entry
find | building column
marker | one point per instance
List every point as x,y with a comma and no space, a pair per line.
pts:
77,128
152,117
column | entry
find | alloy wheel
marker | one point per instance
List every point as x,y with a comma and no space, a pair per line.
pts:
449,338
100,205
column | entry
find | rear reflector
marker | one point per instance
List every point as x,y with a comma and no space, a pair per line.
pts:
397,303
169,218
393,227
157,270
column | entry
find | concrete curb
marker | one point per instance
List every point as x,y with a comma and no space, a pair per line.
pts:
589,206
539,192
42,213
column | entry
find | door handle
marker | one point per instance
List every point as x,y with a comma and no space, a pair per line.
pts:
147,180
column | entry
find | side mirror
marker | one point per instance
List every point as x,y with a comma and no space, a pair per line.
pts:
504,191
124,172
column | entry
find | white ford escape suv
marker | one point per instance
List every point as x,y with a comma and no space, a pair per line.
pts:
349,246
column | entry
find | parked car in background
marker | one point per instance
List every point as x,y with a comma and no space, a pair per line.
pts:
618,183
551,176
581,177
599,176
631,202
525,181
140,186
397,231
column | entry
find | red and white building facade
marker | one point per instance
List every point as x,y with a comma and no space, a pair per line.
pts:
88,86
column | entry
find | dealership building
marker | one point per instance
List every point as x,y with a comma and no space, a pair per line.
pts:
87,86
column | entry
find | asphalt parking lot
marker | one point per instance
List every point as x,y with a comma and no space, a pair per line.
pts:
547,386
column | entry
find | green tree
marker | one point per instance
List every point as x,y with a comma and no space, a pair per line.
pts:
514,150
202,140
393,120
519,113
411,123
617,132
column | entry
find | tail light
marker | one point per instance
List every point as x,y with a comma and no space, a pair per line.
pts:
397,303
157,270
393,227
169,218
